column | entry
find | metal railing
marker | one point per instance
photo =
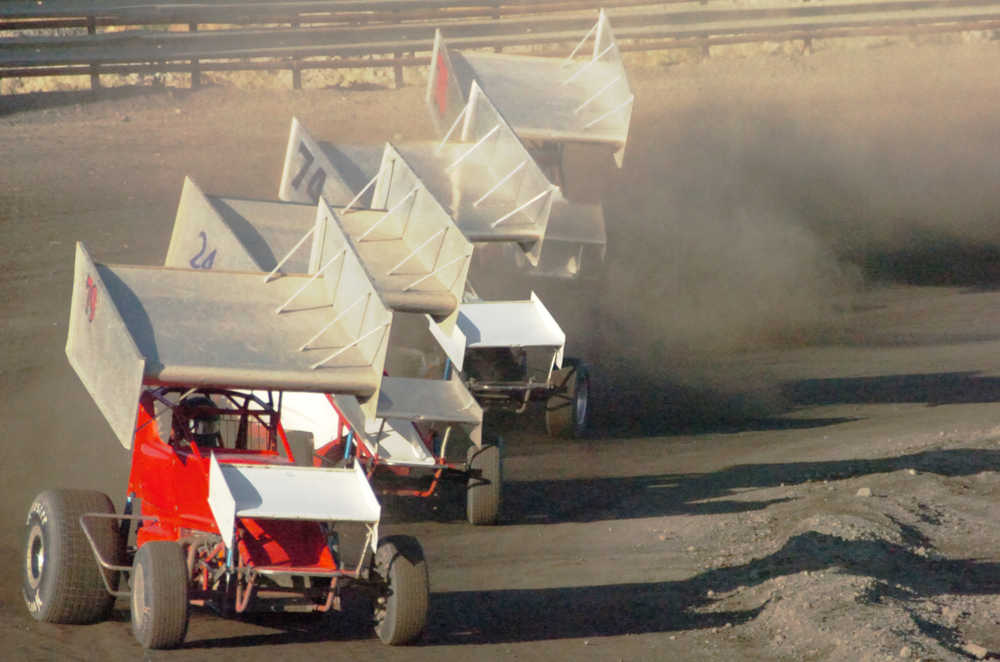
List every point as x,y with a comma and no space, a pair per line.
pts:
297,35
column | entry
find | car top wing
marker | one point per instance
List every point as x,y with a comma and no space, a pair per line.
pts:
426,275
417,255
481,174
414,253
486,178
132,326
545,99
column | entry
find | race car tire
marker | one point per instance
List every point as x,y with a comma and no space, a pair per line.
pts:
401,610
159,599
567,412
485,485
62,579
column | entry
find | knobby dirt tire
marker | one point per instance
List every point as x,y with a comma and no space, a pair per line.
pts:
159,599
485,486
62,579
401,612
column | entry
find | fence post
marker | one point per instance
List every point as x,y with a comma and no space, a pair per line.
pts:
397,68
496,17
95,78
195,68
296,71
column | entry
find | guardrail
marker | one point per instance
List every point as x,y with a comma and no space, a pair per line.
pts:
297,35
21,14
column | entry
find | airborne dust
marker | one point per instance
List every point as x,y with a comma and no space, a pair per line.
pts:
747,216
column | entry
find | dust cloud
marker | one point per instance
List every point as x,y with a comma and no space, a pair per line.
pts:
748,218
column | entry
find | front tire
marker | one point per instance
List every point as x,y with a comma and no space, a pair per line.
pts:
401,610
62,579
482,501
159,595
567,411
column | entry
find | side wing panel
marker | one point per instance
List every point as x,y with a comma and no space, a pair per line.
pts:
522,182
101,349
613,85
309,171
201,239
445,96
352,290
439,251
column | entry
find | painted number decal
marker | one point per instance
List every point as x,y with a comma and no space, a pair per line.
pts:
91,305
201,260
314,187
441,85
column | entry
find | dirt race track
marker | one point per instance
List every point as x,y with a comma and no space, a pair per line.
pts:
796,348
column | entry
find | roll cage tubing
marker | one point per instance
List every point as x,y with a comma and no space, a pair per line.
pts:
240,400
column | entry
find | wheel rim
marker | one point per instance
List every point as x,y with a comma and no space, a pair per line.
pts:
138,595
381,608
582,403
382,600
34,561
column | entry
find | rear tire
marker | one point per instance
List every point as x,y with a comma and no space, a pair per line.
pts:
159,595
568,411
401,611
62,579
483,497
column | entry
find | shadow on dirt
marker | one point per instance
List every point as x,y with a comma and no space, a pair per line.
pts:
353,623
935,258
649,407
11,104
532,615
508,616
934,389
599,499
519,615
653,408
587,500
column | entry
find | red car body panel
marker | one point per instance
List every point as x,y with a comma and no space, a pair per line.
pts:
171,481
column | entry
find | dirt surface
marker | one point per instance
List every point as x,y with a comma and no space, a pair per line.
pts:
796,352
